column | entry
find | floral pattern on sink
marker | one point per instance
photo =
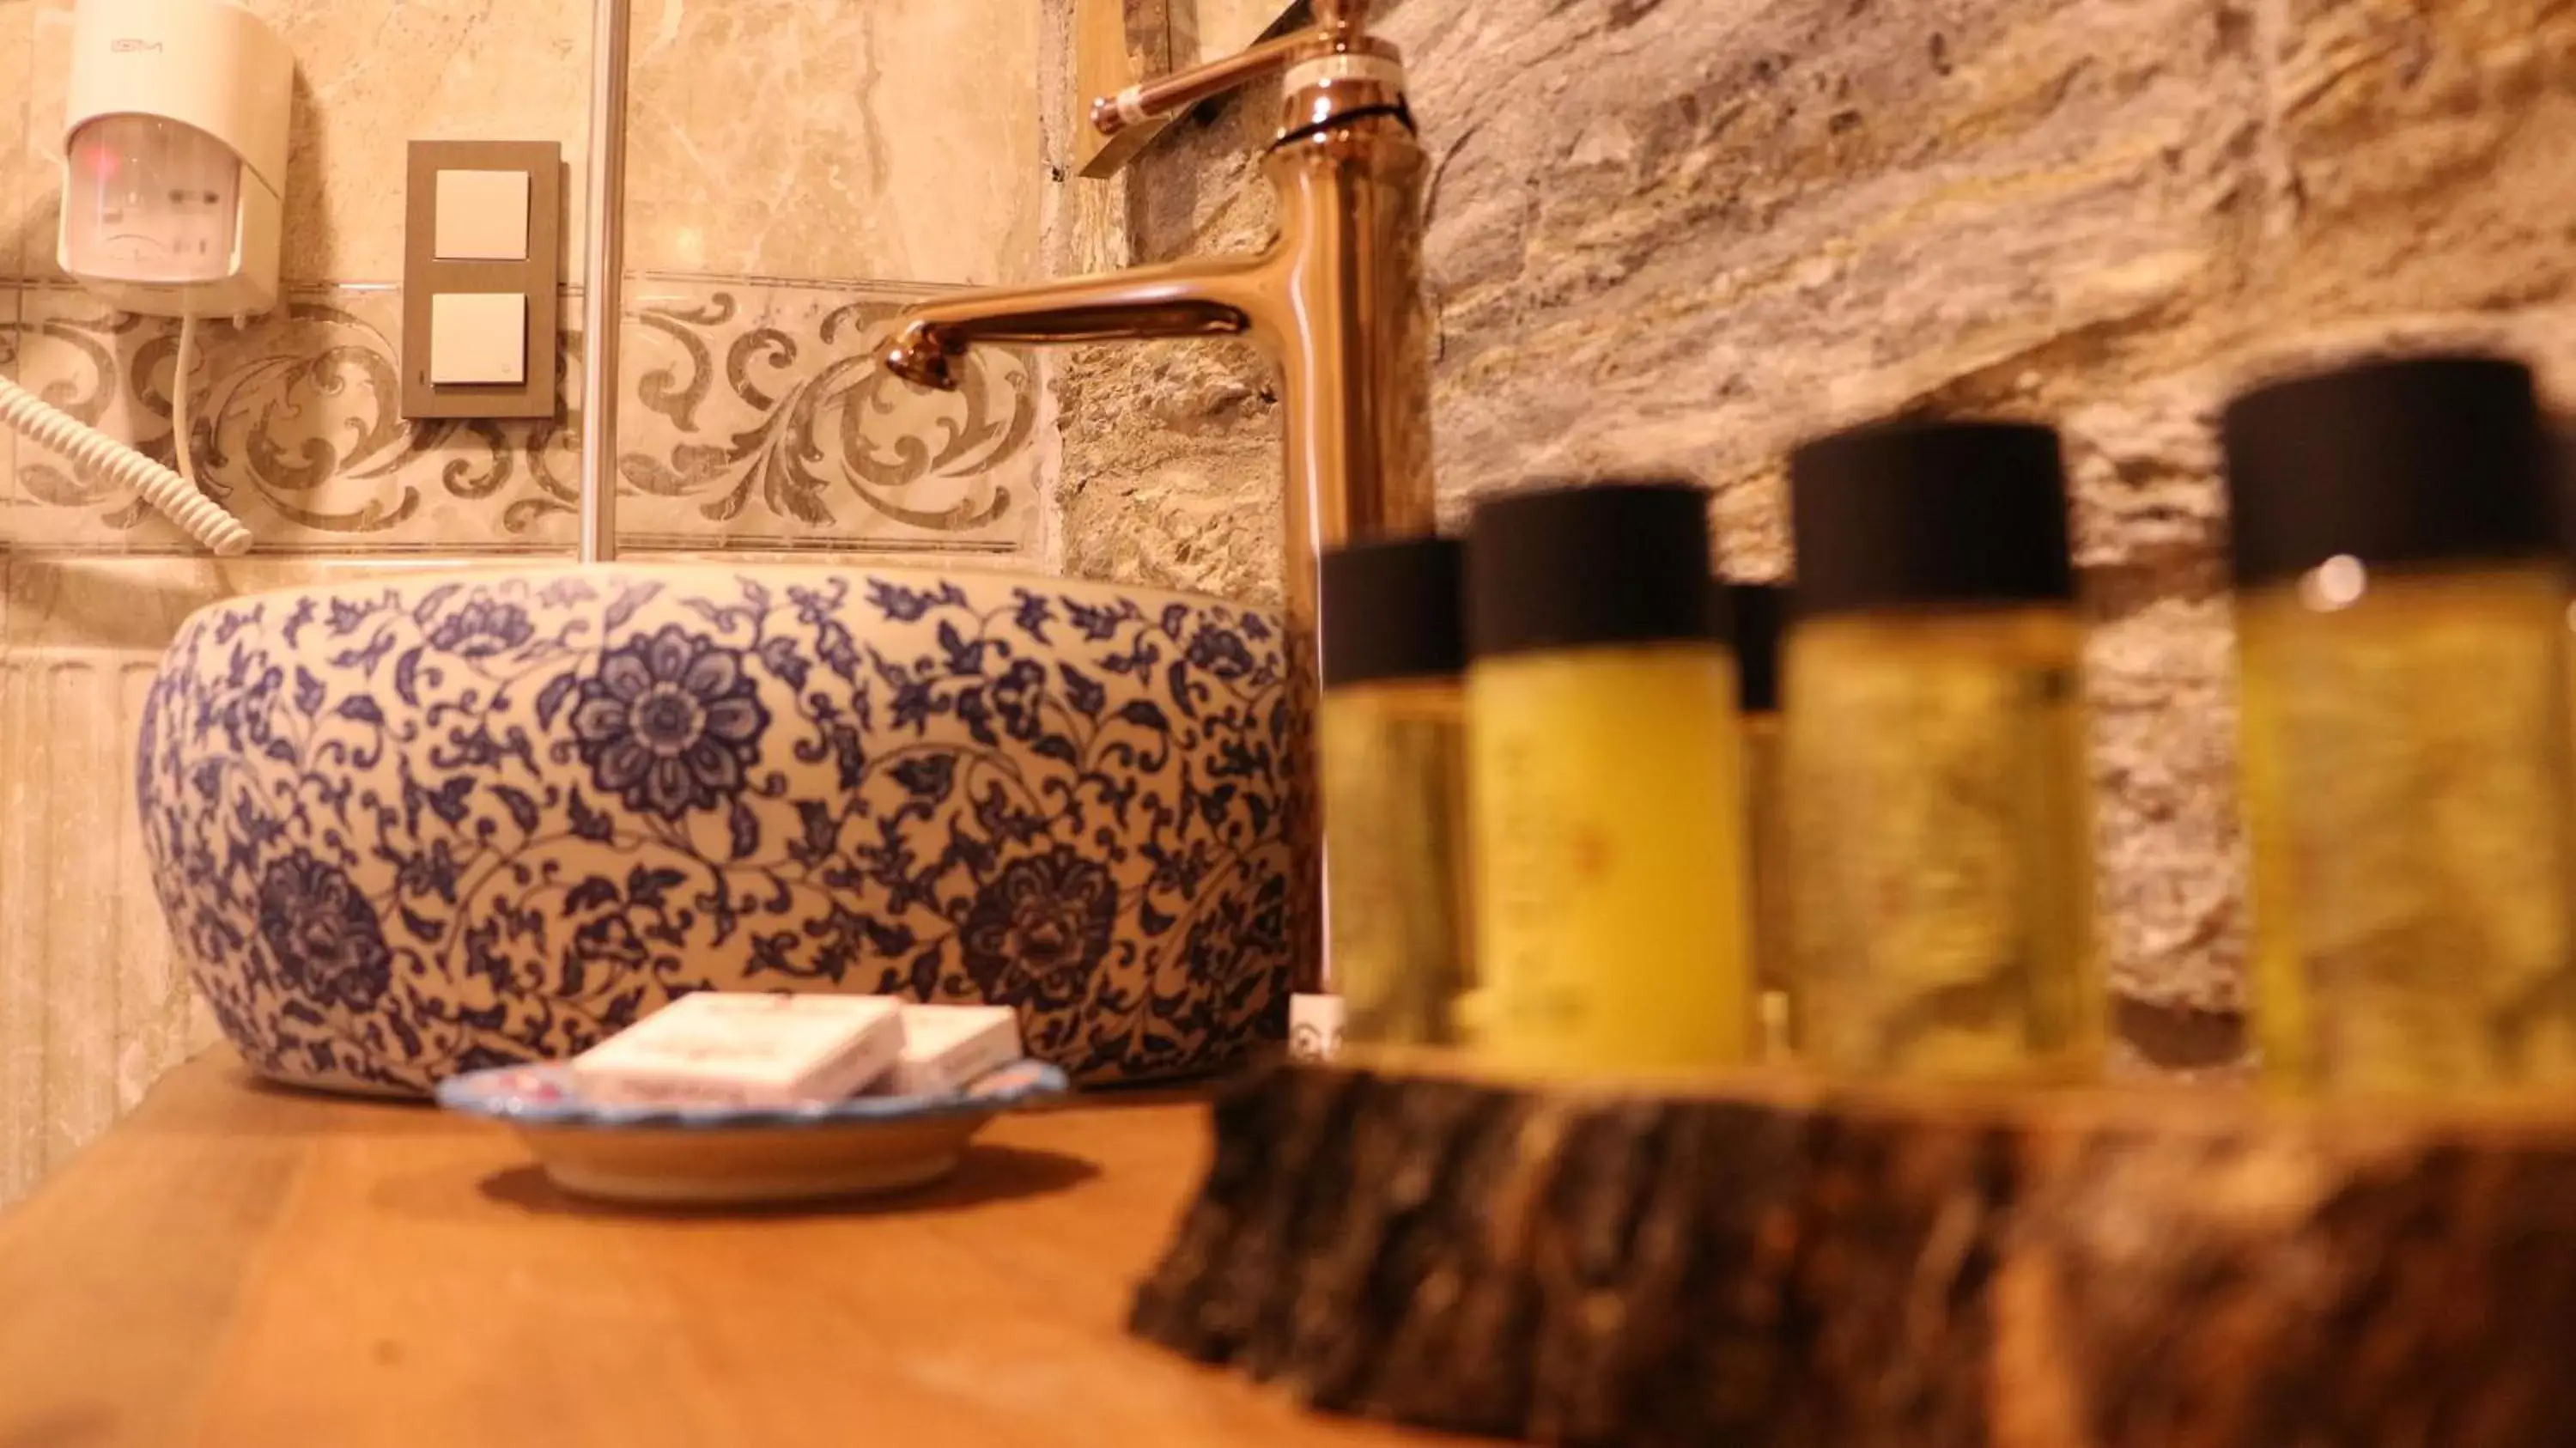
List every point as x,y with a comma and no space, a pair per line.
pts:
408,828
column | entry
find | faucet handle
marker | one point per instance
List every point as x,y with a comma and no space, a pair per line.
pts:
1339,32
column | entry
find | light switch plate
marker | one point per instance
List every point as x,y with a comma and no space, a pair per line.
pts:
478,337
481,216
433,284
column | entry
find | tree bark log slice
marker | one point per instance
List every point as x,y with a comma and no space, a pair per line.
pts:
1774,1264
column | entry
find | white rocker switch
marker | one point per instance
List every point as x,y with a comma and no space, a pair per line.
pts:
481,216
478,337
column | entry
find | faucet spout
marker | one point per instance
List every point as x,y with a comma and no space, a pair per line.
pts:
1202,298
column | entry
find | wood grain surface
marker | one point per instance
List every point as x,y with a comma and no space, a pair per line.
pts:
238,1265
1763,1262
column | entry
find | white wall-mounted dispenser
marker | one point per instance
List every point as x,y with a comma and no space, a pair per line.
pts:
174,146
174,165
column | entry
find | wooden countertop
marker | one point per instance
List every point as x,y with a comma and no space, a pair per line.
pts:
238,1264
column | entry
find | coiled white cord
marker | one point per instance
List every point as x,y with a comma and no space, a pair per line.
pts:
173,494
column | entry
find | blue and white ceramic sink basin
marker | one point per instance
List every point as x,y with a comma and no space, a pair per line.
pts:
419,825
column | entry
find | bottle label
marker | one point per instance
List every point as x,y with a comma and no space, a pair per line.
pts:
1941,907
1394,781
2407,783
1609,848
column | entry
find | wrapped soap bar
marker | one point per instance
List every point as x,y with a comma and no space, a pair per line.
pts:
712,1049
944,1047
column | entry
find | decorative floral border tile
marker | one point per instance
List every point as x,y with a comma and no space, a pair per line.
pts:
753,417
756,413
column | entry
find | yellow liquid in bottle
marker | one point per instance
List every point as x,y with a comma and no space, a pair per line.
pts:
1766,834
1609,860
1393,757
2406,776
1941,897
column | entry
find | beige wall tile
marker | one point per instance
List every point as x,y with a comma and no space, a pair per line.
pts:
370,76
17,55
34,70
373,75
894,139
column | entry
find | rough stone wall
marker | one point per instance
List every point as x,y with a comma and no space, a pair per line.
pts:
1690,232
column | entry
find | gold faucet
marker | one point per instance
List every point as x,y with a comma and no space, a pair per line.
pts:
1335,302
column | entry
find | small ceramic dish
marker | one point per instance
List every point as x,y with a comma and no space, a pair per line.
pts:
731,1156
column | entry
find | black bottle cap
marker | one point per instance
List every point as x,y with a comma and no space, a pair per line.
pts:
1394,609
1760,609
2415,460
1929,513
1620,561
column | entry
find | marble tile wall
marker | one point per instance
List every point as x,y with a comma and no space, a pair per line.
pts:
891,138
17,40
